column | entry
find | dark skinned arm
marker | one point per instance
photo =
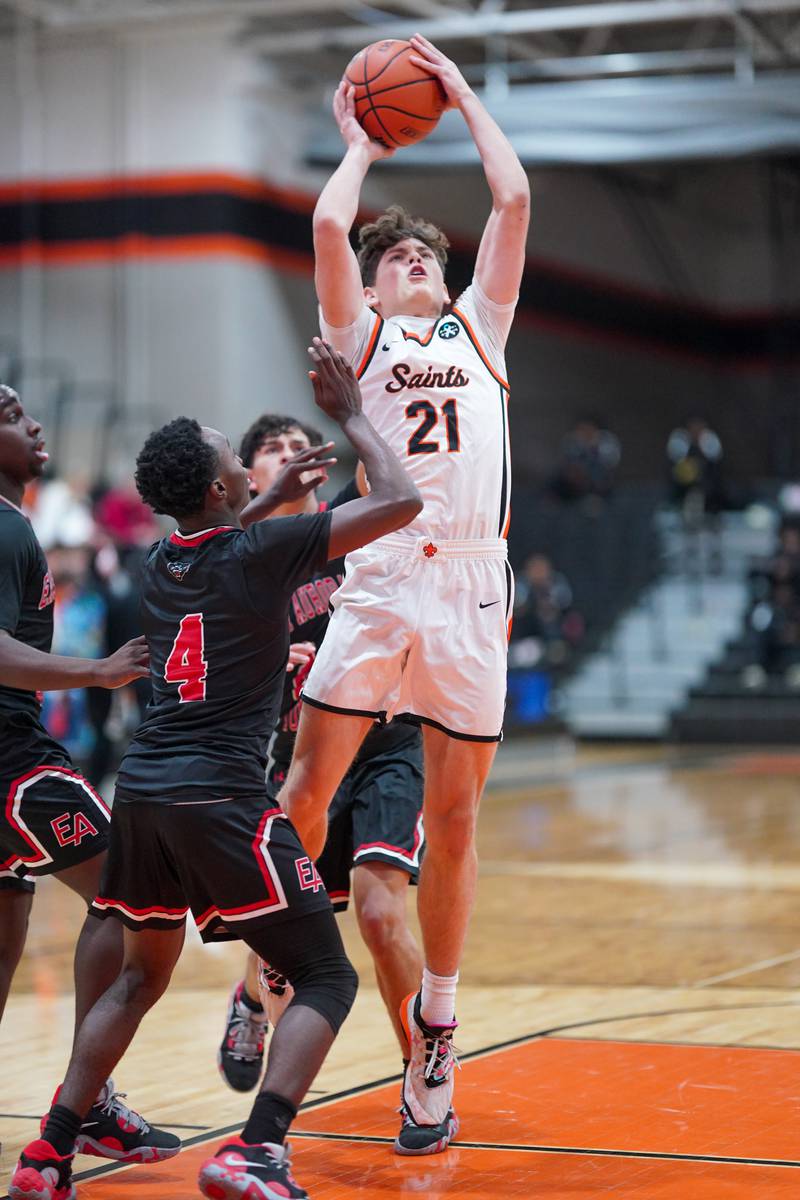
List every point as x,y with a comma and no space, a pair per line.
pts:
393,499
290,485
33,670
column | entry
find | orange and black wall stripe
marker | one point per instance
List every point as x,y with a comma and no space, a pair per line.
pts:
221,213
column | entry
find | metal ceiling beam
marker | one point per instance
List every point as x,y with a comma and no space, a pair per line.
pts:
547,20
177,12
609,66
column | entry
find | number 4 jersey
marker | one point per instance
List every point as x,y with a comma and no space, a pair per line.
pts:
215,609
436,391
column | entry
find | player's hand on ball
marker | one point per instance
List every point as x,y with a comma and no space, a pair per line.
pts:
344,110
431,59
336,389
131,661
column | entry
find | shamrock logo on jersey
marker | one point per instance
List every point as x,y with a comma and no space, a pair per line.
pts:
449,329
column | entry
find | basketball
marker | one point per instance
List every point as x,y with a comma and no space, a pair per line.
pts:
397,103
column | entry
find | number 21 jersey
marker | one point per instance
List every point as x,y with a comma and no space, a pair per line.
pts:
436,391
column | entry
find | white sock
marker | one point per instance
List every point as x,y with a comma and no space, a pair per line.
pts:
438,1000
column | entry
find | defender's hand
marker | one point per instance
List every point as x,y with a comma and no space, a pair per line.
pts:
430,59
344,111
301,474
301,654
336,389
131,661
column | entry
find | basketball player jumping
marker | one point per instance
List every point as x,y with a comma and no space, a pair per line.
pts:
375,828
419,629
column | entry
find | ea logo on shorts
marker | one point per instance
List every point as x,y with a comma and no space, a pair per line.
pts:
449,329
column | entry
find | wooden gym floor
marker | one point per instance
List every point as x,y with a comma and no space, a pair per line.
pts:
629,1017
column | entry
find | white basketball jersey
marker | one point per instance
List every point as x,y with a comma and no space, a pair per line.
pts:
436,391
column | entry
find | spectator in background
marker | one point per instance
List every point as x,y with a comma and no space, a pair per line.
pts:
79,618
95,557
546,626
694,456
590,455
125,528
773,620
121,514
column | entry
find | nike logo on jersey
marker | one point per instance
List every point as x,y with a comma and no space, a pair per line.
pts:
488,604
406,377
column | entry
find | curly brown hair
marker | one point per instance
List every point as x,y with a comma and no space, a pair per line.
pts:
391,227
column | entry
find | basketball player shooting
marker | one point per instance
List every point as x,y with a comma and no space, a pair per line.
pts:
420,624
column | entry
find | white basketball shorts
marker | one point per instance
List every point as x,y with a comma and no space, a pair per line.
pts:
420,631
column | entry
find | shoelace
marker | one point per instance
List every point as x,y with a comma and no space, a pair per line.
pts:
112,1106
247,1033
271,979
440,1056
285,1163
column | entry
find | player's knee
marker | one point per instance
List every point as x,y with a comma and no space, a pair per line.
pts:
140,986
381,920
451,831
328,986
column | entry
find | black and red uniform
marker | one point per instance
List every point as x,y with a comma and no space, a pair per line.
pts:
376,813
193,825
52,818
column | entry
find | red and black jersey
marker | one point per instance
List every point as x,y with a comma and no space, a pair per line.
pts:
215,610
309,614
26,599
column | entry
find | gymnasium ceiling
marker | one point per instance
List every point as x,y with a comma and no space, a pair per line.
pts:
727,63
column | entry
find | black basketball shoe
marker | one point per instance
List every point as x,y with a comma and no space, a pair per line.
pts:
240,1058
423,1139
112,1130
242,1172
42,1174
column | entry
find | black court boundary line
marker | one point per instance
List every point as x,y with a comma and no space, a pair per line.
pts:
493,1048
587,1151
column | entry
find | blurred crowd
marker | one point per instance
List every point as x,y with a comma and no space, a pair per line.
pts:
94,545
772,638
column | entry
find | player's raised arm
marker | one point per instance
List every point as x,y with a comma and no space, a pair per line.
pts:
25,667
501,256
301,475
393,500
336,273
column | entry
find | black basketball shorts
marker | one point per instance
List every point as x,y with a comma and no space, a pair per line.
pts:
237,864
52,819
375,816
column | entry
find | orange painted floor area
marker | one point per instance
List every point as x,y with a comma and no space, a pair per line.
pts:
552,1118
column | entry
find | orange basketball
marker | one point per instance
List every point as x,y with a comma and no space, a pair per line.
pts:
396,102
